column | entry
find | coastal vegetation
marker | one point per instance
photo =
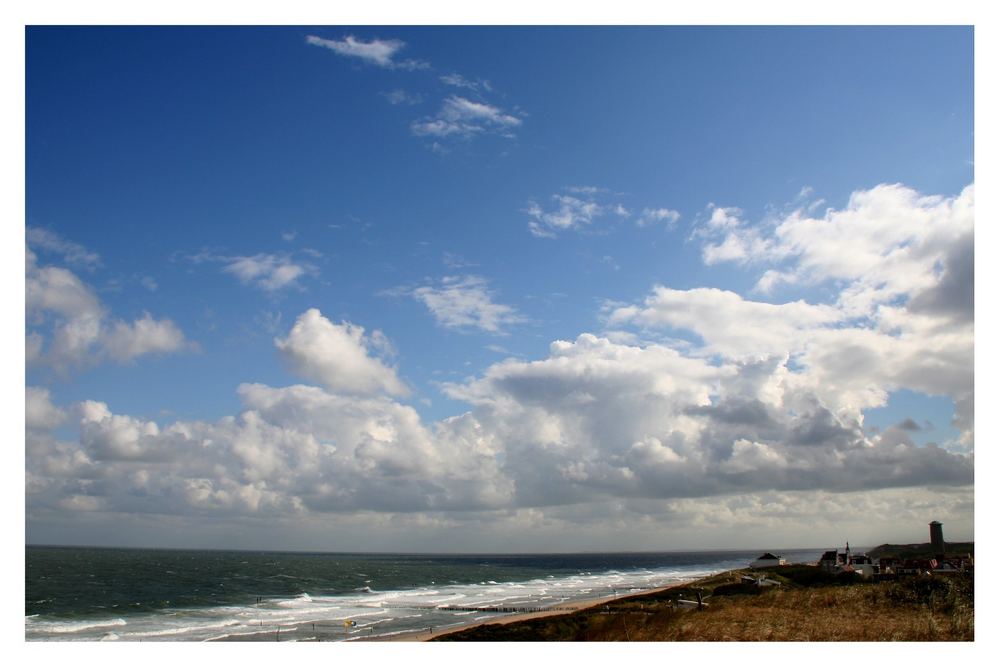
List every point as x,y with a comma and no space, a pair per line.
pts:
807,604
925,550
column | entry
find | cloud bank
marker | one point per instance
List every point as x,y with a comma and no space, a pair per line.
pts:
765,404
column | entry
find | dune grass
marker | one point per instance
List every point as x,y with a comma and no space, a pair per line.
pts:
808,606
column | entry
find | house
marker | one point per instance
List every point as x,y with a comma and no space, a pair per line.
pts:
767,560
917,566
954,564
889,564
828,561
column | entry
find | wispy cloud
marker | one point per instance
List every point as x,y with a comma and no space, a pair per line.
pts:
378,52
461,117
459,81
464,302
658,216
72,253
572,212
453,261
401,97
266,271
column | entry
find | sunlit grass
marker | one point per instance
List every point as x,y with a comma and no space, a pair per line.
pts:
925,609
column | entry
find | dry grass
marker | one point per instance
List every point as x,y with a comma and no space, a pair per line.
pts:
917,610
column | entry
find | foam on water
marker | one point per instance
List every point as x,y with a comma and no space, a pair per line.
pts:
376,613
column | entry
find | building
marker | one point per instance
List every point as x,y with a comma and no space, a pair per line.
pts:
828,561
767,560
954,563
937,537
918,566
889,565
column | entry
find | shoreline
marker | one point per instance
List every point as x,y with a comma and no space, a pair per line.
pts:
568,607
296,632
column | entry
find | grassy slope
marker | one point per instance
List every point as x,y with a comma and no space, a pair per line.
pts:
809,606
924,550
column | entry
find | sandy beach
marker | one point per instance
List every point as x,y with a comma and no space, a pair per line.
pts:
563,608
330,630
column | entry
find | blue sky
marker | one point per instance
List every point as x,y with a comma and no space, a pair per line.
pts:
470,197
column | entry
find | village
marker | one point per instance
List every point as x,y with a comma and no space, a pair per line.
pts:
886,563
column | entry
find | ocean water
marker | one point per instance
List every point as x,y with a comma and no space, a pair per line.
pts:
98,594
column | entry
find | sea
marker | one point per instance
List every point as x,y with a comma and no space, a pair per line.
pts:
111,594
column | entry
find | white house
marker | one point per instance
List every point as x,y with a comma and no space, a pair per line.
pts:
767,560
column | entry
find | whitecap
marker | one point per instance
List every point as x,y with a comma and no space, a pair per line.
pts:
68,627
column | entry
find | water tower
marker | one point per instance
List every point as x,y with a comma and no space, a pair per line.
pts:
937,537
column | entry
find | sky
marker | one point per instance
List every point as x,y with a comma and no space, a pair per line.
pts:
498,289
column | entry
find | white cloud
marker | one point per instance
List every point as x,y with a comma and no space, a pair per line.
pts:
71,253
760,422
464,118
268,272
663,216
594,422
734,240
291,451
462,302
337,356
39,412
575,213
127,340
460,81
901,265
888,242
69,327
379,52
728,324
108,437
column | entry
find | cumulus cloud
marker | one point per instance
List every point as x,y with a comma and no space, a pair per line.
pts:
592,422
68,326
39,412
378,52
888,242
466,302
597,418
729,324
290,452
463,118
762,413
127,340
901,265
338,356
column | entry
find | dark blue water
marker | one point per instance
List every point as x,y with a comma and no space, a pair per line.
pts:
74,593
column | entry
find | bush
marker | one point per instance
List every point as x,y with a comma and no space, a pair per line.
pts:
737,589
